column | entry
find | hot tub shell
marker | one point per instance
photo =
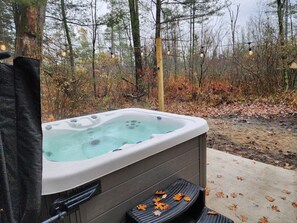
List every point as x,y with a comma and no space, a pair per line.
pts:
129,176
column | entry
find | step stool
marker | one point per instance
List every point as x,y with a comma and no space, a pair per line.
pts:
193,211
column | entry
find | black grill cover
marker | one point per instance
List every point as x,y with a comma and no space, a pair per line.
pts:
20,141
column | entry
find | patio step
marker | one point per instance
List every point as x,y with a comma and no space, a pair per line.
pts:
191,211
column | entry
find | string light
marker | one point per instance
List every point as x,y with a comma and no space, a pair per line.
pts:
168,51
2,46
250,49
202,52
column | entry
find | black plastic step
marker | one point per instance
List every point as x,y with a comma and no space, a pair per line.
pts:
177,210
205,217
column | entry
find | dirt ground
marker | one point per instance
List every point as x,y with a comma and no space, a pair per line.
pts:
272,141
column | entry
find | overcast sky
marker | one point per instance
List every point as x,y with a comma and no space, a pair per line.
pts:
247,9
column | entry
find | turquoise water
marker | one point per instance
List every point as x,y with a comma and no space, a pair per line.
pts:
86,144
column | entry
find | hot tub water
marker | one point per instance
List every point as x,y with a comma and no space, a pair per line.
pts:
75,145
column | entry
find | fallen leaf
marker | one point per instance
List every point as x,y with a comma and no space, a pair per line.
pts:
263,219
207,190
234,195
157,200
212,213
244,218
219,176
269,198
232,207
286,191
239,178
187,199
178,197
294,204
161,206
220,194
157,213
141,207
275,208
51,118
240,194
160,193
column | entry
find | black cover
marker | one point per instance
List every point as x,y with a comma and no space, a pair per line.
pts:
20,142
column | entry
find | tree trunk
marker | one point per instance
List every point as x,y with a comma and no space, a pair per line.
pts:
68,37
134,14
29,21
281,37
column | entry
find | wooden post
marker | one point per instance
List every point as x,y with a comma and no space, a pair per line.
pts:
160,73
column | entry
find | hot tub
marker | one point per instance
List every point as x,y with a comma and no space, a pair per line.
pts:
129,153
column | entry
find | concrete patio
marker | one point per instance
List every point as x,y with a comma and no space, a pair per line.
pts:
249,191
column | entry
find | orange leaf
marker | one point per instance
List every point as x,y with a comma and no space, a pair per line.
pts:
234,195
207,190
286,191
212,213
187,199
156,200
141,207
233,207
244,218
220,194
269,198
263,219
51,118
294,204
160,193
178,197
161,206
275,208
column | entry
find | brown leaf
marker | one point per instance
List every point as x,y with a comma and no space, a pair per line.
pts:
283,198
207,191
187,199
141,207
219,176
51,118
294,204
241,194
161,206
263,219
156,200
269,198
286,191
160,193
212,213
234,195
243,218
178,197
275,208
220,194
240,178
232,207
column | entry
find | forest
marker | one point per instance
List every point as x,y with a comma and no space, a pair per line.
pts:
101,55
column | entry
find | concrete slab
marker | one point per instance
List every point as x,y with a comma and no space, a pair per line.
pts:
248,191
